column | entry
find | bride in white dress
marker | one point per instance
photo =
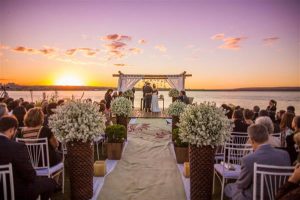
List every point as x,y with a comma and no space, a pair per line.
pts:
154,101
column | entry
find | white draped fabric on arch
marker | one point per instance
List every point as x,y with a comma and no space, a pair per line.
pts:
128,81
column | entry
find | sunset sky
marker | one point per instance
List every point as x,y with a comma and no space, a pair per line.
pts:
224,44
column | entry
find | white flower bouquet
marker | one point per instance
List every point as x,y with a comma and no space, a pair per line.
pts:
176,108
128,94
77,121
121,106
204,124
173,92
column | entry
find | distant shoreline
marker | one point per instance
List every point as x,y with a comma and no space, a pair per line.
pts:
94,88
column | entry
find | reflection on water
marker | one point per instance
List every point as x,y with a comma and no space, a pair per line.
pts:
244,99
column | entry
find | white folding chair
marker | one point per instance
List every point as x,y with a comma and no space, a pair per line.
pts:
39,156
238,138
267,179
6,173
235,138
230,168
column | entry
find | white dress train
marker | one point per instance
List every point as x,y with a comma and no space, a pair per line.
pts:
154,103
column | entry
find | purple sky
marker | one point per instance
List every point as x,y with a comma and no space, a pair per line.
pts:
224,44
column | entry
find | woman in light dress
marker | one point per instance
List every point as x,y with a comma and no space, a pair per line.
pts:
154,103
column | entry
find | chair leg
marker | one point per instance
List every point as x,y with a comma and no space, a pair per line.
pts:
63,181
222,189
214,182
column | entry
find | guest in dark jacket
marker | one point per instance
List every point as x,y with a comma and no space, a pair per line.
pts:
238,120
256,112
27,185
108,98
19,112
272,109
183,98
291,189
290,139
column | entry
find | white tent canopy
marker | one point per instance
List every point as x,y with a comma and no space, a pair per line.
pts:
128,81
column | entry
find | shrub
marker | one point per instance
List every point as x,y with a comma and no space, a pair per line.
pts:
115,133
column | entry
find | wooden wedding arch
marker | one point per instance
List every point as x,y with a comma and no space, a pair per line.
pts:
128,81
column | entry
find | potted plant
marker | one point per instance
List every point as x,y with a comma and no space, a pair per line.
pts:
174,110
77,123
122,108
115,140
203,126
174,93
181,148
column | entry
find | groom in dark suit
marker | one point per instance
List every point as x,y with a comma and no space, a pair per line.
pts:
27,185
147,90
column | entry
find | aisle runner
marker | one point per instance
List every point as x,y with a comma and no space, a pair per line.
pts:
147,170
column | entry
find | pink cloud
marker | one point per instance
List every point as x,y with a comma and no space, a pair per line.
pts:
115,37
232,43
87,51
270,41
219,36
142,41
161,48
120,65
135,50
115,45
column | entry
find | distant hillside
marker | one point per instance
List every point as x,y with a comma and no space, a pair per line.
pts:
15,87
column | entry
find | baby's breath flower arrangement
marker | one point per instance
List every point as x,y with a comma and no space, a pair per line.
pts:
128,94
204,124
176,108
121,106
77,121
173,93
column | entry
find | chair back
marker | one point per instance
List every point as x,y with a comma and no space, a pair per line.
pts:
238,138
191,99
235,152
38,152
7,182
267,179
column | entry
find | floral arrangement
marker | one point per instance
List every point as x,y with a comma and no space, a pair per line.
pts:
173,92
204,124
128,94
77,121
176,108
121,106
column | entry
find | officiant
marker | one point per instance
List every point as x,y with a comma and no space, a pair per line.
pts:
147,90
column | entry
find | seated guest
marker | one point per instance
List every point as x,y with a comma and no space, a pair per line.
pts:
33,129
3,109
267,122
291,139
248,116
183,98
50,111
27,185
291,189
263,113
256,111
19,112
228,110
290,109
12,105
279,116
238,120
263,153
286,123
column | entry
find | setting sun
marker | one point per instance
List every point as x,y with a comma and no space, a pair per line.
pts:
69,80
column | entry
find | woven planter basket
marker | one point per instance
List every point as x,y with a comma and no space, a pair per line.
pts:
201,167
80,162
123,121
175,120
182,154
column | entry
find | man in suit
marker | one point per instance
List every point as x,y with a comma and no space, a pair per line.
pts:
264,153
148,96
27,185
183,98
